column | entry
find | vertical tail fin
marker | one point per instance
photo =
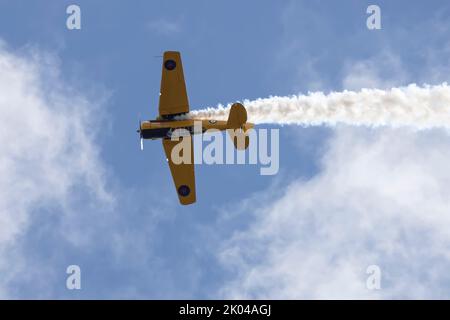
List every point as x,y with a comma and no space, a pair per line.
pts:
238,126
237,117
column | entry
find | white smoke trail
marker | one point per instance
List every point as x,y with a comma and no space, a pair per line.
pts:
415,106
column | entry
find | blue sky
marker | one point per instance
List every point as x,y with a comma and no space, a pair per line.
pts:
119,219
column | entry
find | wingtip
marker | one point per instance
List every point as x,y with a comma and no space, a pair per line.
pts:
170,52
186,202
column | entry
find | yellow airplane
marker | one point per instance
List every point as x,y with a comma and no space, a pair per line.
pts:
173,104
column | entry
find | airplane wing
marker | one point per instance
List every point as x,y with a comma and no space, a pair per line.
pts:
183,174
173,97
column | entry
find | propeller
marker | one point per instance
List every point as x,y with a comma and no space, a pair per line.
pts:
140,135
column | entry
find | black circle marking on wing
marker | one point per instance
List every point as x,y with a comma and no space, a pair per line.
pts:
170,64
184,190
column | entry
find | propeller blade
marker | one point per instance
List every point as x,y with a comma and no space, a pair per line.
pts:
140,135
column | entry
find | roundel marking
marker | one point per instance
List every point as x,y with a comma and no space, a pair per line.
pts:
170,64
184,190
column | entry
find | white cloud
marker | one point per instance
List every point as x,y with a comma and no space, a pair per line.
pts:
384,70
380,198
48,158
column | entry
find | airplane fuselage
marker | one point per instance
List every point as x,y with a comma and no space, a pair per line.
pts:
163,129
